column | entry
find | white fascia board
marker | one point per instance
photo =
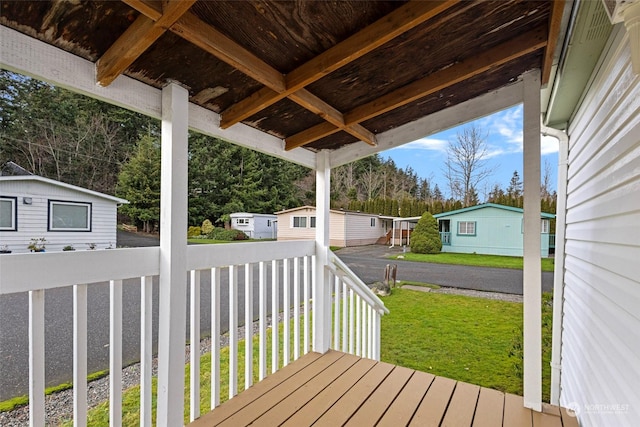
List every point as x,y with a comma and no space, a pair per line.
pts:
64,185
472,109
26,55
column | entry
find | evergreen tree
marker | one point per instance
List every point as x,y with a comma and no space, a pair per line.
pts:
425,238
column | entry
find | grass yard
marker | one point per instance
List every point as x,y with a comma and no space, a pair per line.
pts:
468,339
215,242
478,260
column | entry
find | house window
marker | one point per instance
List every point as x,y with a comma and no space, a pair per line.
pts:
467,228
373,222
312,221
545,226
8,214
268,223
242,221
299,222
69,216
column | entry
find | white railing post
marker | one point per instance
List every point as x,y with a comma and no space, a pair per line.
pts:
286,307
305,304
173,259
215,337
80,355
275,347
345,325
248,325
336,313
146,349
194,354
36,358
233,330
322,279
296,308
532,276
262,322
115,353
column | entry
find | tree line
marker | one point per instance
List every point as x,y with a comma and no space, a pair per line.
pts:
61,135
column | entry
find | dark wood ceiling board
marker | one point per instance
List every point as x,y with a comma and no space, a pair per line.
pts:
456,94
86,29
172,57
426,49
333,142
286,34
285,118
368,39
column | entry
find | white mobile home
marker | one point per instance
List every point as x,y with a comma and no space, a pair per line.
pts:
33,207
347,228
254,225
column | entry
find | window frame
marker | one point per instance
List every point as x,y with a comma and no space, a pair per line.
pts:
373,222
14,213
89,209
300,219
242,221
459,233
312,222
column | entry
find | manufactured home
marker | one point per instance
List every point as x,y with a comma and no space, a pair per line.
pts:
254,225
323,84
55,214
490,229
347,228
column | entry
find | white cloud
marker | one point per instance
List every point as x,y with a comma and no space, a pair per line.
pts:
549,145
430,144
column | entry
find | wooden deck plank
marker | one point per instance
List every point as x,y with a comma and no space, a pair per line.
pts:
515,414
324,400
348,403
490,408
265,401
569,418
462,406
550,409
234,405
434,404
542,419
402,409
280,412
375,406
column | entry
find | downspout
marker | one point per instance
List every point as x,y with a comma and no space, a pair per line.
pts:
558,274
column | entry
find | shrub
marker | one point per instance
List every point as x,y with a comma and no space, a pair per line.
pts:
425,238
193,231
207,227
227,235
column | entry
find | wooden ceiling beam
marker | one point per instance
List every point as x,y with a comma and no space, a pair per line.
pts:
310,135
555,21
195,31
136,40
375,35
466,69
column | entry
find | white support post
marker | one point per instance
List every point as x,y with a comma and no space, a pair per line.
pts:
322,291
532,275
173,259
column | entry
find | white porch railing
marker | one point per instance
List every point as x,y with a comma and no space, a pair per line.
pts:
284,279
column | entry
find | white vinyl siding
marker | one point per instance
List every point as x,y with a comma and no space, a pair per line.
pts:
69,216
8,213
467,228
601,323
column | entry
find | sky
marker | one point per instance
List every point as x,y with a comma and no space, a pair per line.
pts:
428,155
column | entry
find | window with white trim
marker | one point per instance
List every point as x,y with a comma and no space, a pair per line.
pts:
467,228
268,223
545,226
8,213
242,221
312,221
373,222
69,216
299,222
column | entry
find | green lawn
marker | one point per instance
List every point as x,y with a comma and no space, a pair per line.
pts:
469,339
475,260
213,241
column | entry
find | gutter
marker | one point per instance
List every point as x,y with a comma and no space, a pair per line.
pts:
558,274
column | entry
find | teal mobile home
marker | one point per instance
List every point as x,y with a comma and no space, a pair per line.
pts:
488,229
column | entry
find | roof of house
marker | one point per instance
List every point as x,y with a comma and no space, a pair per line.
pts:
489,205
31,178
249,215
335,211
314,74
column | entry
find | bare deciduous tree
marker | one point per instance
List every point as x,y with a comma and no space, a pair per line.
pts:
466,165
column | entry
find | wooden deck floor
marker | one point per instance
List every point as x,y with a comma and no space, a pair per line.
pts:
337,389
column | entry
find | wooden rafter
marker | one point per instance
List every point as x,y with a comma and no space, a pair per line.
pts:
136,39
555,20
468,68
361,43
194,30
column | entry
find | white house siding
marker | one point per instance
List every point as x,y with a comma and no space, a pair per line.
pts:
33,218
258,226
601,324
285,225
360,232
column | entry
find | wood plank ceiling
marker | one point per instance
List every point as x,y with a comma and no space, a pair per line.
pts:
320,75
